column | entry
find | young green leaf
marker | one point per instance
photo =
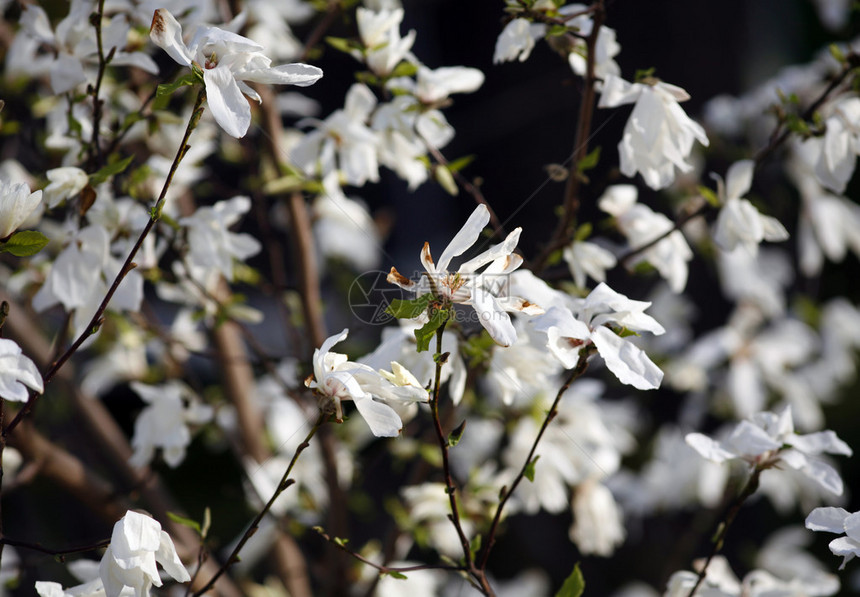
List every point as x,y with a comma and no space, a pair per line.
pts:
186,522
425,334
109,170
24,243
530,469
457,434
574,585
408,309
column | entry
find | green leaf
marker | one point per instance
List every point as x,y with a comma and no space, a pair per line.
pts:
709,195
395,574
529,473
456,434
836,52
340,541
165,90
460,163
584,231
110,170
24,243
404,69
408,309
186,522
340,43
425,334
574,585
644,73
589,161
475,545
446,180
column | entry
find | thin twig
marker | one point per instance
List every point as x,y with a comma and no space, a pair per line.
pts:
284,483
54,552
581,366
97,318
723,527
562,233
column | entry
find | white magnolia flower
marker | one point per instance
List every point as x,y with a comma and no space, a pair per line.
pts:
380,34
16,205
659,136
838,520
739,222
336,379
229,62
210,242
835,153
768,439
598,525
641,225
588,259
468,286
567,334
137,544
164,422
344,228
66,182
516,41
16,372
80,276
342,142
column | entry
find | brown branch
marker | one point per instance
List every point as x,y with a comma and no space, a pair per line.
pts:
562,233
576,372
97,318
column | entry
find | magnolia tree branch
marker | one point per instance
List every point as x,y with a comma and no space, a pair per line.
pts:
58,553
478,573
576,372
94,149
562,234
723,526
97,318
284,483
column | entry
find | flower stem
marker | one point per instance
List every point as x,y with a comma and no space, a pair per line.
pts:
284,483
723,526
578,370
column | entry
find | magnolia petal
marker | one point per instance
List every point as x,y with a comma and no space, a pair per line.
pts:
495,252
493,317
827,519
395,277
628,362
299,74
166,33
381,418
773,229
845,547
228,104
466,237
708,448
169,560
617,91
739,178
852,526
822,441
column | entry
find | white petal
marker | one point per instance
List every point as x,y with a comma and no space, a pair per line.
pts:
166,33
466,237
169,560
617,91
629,363
381,418
739,178
228,105
298,74
852,526
708,448
827,519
